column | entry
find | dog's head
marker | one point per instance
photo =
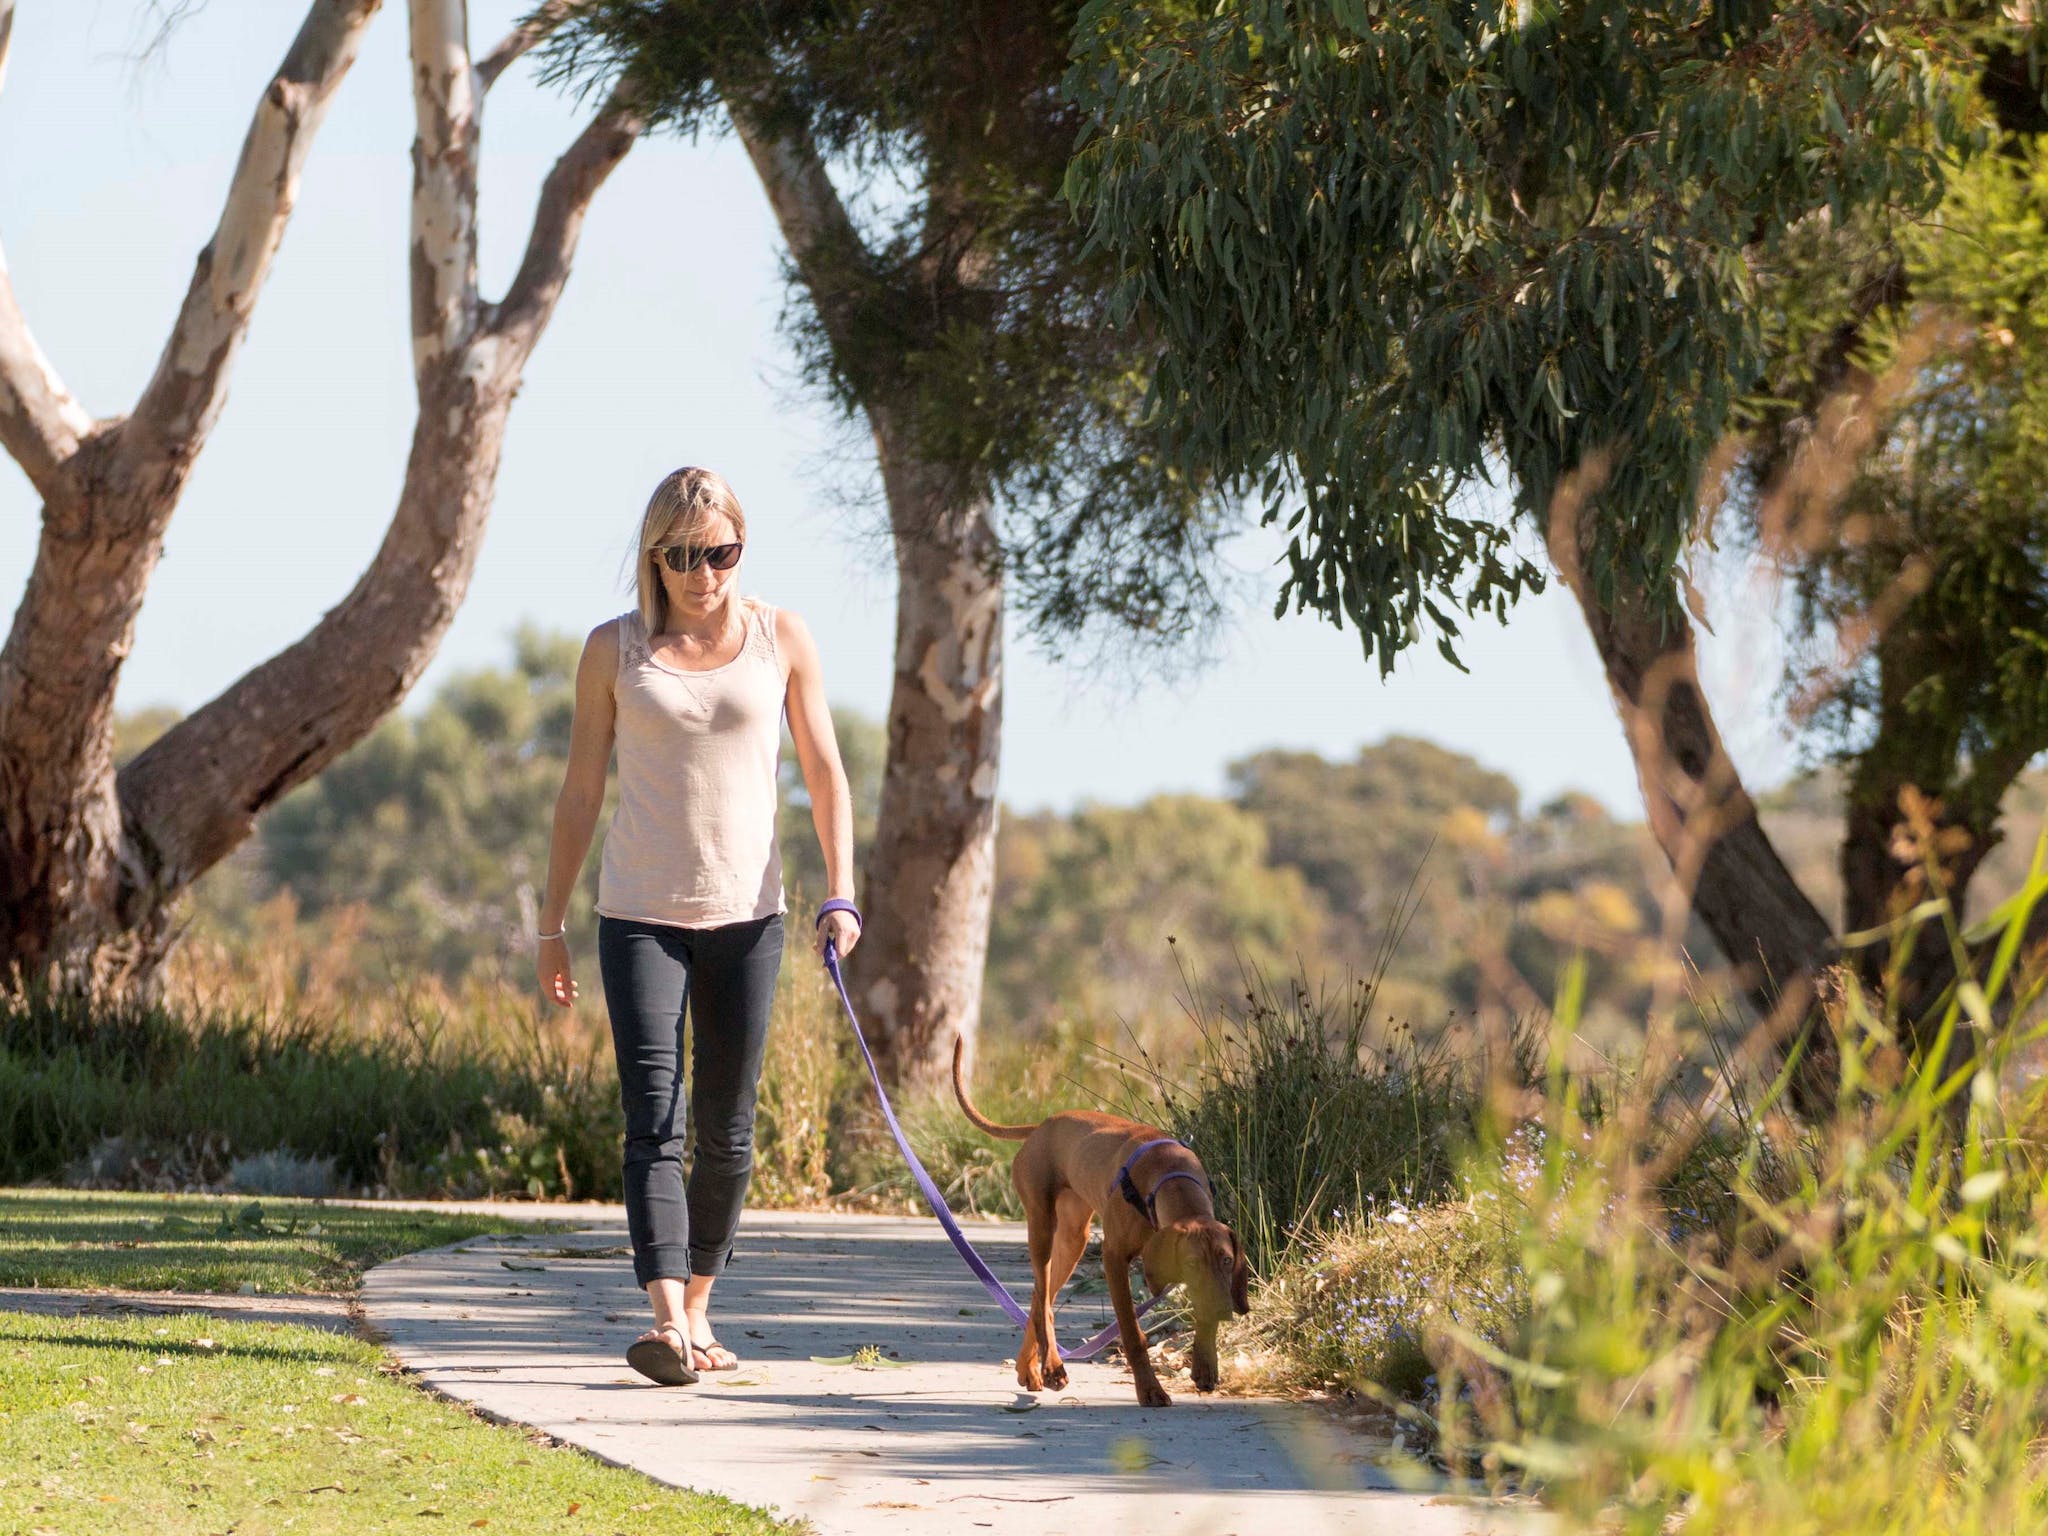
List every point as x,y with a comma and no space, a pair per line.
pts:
1205,1256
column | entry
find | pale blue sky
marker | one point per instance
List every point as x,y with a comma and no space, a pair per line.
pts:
664,351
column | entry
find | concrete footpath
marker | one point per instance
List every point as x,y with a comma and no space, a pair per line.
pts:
932,1437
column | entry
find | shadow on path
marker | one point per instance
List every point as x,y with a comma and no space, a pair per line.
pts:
529,1329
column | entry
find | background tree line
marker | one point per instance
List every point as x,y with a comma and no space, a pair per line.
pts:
429,839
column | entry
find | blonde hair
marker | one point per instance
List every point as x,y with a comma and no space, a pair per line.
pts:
678,512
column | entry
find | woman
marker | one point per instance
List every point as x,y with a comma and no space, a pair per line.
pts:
692,683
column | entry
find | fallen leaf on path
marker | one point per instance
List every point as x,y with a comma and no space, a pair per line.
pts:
515,1264
574,1505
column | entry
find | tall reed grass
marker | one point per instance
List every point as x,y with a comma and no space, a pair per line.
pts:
1858,1345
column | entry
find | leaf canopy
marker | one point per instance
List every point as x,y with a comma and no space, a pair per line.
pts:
1399,251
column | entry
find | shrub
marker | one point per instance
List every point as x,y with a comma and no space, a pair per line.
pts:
1366,1302
1301,1111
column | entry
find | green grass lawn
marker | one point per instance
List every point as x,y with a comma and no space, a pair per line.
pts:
194,1424
188,1423
199,1243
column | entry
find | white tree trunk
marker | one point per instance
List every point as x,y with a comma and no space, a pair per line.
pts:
89,864
930,880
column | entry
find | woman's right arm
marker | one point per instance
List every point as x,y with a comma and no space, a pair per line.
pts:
578,806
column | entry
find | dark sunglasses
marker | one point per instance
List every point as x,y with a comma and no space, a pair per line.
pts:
685,557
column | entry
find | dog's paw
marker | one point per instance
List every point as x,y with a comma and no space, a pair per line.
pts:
1153,1395
1056,1374
1031,1378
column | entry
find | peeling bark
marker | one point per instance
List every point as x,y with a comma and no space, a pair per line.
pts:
930,877
90,864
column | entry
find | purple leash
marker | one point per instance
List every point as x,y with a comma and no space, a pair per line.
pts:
932,1197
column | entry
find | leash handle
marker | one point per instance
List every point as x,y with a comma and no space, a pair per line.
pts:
840,904
933,1198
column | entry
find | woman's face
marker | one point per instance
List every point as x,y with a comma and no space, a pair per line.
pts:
699,592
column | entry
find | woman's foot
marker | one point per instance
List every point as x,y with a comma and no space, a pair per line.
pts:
665,1355
705,1350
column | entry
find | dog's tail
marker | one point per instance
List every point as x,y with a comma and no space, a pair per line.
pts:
1004,1132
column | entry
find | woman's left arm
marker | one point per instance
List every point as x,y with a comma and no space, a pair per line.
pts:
817,754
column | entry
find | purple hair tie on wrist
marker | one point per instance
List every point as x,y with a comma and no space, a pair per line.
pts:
840,904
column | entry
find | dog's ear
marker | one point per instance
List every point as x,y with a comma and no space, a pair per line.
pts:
1160,1259
1240,1278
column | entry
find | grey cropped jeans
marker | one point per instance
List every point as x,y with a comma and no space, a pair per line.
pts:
725,976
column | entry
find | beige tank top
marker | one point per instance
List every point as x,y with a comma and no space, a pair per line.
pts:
693,840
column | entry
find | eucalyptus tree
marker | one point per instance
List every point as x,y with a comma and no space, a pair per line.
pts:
1920,572
91,859
1396,251
913,154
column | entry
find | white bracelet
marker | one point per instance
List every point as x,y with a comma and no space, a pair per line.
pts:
558,933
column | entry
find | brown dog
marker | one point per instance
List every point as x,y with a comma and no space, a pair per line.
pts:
1070,1169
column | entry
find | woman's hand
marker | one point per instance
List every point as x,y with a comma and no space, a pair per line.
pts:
841,929
551,963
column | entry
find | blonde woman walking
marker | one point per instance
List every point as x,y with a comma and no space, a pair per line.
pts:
691,684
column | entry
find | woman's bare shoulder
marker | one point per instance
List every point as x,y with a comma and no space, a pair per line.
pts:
602,643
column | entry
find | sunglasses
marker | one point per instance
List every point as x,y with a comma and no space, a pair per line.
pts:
686,557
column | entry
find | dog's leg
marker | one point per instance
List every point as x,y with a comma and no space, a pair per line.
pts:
1070,1240
1036,1350
1118,1268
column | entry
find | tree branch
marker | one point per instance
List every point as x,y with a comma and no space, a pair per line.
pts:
184,397
524,37
446,101
40,422
193,795
814,222
565,198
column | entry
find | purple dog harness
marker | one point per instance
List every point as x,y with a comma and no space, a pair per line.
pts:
974,1261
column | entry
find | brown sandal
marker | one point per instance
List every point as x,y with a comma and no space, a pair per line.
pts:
710,1349
660,1360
